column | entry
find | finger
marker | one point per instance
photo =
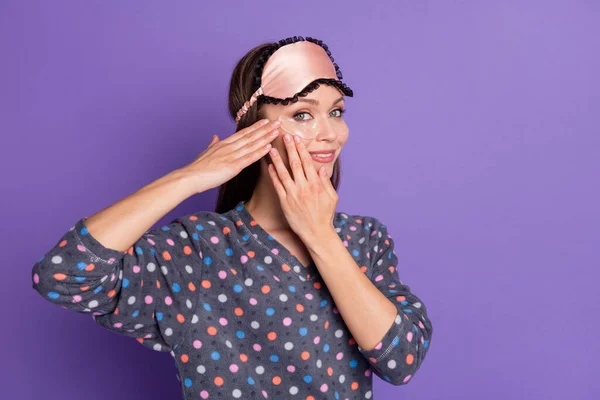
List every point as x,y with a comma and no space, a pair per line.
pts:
254,144
252,157
282,172
254,135
257,125
214,140
294,159
307,162
279,188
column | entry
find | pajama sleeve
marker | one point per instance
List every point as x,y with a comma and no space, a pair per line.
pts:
401,351
148,292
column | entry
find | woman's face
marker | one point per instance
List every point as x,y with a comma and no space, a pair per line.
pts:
319,114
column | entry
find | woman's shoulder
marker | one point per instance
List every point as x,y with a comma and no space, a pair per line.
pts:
354,222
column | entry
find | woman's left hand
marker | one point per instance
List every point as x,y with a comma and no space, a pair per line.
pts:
308,200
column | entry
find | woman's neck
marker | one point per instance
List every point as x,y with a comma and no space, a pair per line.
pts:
264,204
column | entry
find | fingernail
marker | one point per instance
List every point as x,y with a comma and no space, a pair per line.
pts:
297,139
264,121
287,138
276,123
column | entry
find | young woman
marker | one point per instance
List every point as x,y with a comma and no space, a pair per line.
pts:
273,295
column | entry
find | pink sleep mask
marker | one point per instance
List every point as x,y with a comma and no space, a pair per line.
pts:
292,68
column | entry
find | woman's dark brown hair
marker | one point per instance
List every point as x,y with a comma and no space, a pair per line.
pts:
241,87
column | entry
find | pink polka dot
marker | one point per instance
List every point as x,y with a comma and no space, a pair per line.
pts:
223,321
112,277
136,269
256,347
222,274
317,340
253,301
409,336
291,368
406,379
323,388
264,394
379,346
276,278
275,251
171,242
352,228
168,301
378,278
339,356
233,368
197,344
36,278
287,321
152,242
118,324
76,298
421,325
204,394
111,260
244,259
148,299
346,243
368,372
148,336
308,296
214,239
81,247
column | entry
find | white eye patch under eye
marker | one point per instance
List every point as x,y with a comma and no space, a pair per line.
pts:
310,128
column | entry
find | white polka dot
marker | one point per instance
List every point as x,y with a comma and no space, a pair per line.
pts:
168,331
189,269
368,394
213,223
151,267
398,319
228,344
260,370
138,326
248,282
319,364
222,298
296,269
255,325
283,298
56,259
268,260
131,300
417,305
288,346
93,304
391,364
188,303
164,270
195,319
157,347
183,234
362,240
105,277
201,369
293,390
314,317
342,379
237,393
339,333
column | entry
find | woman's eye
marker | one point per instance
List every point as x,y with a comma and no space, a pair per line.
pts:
297,116
337,112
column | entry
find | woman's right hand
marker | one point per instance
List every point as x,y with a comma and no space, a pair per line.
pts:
224,159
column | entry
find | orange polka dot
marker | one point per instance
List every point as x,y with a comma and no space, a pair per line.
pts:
226,230
265,289
309,397
192,287
116,312
219,381
130,250
272,335
400,298
253,223
330,371
185,358
299,307
326,325
84,288
305,355
166,255
251,254
180,318
90,267
211,330
317,285
62,244
276,380
239,312
351,341
193,218
285,267
112,293
238,223
187,250
243,357
157,284
60,277
233,271
354,385
409,359
206,284
363,269
141,340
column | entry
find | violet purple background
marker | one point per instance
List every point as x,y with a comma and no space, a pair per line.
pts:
473,136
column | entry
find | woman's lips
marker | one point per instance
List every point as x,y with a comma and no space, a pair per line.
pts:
323,157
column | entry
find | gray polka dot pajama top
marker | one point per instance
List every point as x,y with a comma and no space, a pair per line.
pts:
241,316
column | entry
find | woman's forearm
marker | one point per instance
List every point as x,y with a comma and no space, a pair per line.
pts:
119,225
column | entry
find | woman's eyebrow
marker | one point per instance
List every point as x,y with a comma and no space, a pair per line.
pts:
316,102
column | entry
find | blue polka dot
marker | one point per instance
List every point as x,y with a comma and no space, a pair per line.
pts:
246,237
355,253
337,395
81,265
195,236
240,207
98,290
250,381
323,303
207,260
79,278
426,343
228,252
274,358
292,288
353,363
152,251
396,341
308,379
176,288
53,295
326,348
215,355
270,311
270,237
240,334
237,288
207,307
260,268
137,312
303,331
159,316
125,282
187,382
165,228
83,231
139,251
199,227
